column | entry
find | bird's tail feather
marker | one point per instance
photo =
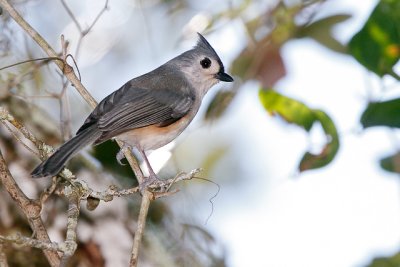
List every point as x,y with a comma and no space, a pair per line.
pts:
54,164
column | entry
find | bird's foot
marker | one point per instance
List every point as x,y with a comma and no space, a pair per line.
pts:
121,153
151,182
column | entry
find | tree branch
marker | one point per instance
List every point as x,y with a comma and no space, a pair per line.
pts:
21,240
30,208
141,223
3,257
69,246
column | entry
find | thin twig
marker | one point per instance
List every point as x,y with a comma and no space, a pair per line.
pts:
83,32
30,60
69,11
48,191
98,16
6,116
113,191
44,150
19,139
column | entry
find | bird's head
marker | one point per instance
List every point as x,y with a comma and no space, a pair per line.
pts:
202,66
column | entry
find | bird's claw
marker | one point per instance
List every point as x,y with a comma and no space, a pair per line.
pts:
150,181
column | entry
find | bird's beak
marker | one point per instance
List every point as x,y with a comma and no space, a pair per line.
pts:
222,76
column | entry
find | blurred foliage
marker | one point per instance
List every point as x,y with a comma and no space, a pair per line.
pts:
219,104
298,113
377,44
377,47
328,152
393,261
106,154
261,60
321,31
391,163
384,113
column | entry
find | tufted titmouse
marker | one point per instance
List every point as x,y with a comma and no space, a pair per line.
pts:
149,111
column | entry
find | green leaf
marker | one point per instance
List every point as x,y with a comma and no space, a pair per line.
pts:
321,31
294,111
328,153
391,163
377,44
289,109
382,114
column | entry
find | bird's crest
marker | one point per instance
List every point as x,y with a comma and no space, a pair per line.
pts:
204,46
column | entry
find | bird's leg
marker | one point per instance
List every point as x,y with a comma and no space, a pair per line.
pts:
121,153
153,178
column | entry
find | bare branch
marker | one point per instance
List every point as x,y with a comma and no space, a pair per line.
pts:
44,150
44,59
6,116
69,11
30,208
21,240
18,139
83,32
3,257
160,188
141,223
98,16
69,246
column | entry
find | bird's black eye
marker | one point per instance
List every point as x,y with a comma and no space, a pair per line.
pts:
205,63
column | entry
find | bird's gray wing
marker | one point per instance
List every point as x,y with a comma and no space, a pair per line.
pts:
130,108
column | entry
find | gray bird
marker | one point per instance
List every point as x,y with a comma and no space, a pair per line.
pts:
149,111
